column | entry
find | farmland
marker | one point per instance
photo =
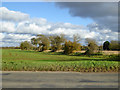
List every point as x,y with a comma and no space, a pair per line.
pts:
20,60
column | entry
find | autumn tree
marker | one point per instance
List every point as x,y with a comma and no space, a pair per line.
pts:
68,47
76,44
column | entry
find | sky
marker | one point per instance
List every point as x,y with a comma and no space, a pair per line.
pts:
20,21
46,10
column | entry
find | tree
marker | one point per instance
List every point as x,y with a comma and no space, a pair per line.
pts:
76,44
83,47
69,47
114,45
76,38
34,42
43,42
106,45
92,46
25,45
56,42
100,47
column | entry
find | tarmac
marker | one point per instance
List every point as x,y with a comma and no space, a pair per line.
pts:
26,79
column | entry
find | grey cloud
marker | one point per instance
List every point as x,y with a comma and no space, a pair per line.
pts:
103,13
98,28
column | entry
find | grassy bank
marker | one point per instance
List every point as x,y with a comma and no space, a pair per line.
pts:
18,60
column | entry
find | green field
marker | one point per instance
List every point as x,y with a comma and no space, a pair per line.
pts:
19,60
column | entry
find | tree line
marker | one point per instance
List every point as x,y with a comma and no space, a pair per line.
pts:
113,45
59,42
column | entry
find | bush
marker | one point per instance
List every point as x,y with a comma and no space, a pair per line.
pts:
70,47
26,46
76,46
54,48
114,45
92,47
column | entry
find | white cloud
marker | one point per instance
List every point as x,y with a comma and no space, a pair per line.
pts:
104,33
14,33
1,36
18,36
9,15
8,44
15,39
7,27
38,21
32,28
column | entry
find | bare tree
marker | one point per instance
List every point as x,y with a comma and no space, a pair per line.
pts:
76,38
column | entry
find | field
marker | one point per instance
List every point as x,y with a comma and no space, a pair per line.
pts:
19,60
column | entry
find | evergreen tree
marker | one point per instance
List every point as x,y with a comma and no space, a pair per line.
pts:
106,45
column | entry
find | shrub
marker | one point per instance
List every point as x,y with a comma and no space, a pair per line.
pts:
70,47
114,45
92,47
26,46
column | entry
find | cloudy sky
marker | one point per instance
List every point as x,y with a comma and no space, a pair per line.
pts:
21,21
